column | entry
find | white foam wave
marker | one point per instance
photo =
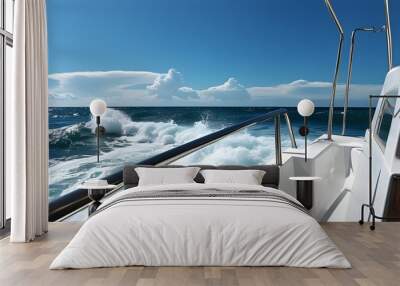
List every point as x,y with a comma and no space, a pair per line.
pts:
65,135
118,123
239,149
144,140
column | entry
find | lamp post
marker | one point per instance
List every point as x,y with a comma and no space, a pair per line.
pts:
98,107
305,108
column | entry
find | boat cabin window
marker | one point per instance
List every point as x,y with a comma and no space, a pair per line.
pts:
385,120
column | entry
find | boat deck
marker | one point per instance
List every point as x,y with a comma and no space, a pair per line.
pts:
375,257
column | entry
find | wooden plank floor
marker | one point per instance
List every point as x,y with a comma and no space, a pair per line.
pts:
375,257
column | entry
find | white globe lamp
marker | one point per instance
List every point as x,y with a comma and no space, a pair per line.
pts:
305,108
98,107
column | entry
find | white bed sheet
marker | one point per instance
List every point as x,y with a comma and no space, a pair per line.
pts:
200,232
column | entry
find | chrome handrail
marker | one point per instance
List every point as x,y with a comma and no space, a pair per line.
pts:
338,59
278,143
350,69
388,35
334,17
186,149
389,44
68,203
290,129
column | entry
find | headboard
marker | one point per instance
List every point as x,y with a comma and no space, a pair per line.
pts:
270,179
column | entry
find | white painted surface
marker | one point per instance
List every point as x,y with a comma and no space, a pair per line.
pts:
343,165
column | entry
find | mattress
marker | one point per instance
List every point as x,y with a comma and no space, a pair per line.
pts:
201,225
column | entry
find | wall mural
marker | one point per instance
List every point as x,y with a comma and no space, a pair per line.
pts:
172,71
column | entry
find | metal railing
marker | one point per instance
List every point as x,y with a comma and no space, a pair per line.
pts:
386,28
388,35
74,200
338,59
184,150
350,68
278,143
290,128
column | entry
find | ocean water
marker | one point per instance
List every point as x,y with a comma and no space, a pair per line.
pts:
136,133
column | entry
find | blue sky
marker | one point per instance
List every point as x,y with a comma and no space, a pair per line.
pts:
204,52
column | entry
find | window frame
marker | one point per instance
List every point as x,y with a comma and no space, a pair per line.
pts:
382,112
6,39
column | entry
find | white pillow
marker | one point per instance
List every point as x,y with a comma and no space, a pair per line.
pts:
166,176
248,177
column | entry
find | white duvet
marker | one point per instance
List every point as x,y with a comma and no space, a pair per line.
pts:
200,231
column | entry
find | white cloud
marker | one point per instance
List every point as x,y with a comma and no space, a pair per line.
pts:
141,88
229,93
137,75
165,86
170,86
116,87
61,96
288,88
290,93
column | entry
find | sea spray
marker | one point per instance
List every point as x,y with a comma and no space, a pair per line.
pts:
127,142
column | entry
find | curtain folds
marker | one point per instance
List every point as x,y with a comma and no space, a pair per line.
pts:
27,123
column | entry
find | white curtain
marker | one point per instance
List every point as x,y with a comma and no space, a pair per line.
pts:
27,124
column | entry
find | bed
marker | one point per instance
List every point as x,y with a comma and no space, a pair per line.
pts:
201,224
